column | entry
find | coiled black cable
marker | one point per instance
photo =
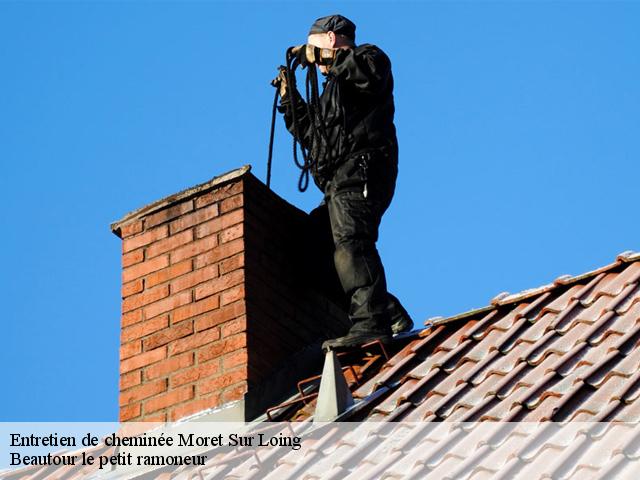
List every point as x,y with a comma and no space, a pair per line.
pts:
314,114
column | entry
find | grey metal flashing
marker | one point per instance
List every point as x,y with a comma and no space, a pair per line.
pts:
334,397
227,412
176,197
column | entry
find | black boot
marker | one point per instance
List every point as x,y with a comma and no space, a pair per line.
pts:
400,319
360,333
353,340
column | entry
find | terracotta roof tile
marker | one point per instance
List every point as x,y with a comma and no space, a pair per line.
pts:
563,301
632,299
535,329
481,369
565,351
424,368
398,396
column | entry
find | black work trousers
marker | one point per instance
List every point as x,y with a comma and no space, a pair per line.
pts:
354,202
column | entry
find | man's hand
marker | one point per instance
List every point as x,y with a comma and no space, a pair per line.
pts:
280,81
309,54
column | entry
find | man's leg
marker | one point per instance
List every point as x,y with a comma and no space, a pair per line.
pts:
320,262
354,222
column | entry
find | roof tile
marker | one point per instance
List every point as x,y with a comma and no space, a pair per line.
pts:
457,338
537,328
632,299
602,288
398,396
618,281
565,351
480,370
562,301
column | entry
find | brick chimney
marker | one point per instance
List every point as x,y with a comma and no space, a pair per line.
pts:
220,303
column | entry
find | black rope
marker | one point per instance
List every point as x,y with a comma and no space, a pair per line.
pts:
314,115
271,135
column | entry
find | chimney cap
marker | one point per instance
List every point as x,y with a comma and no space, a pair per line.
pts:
177,197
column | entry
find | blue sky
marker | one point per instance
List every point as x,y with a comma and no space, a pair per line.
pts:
519,143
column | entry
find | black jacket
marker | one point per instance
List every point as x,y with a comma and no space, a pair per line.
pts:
357,108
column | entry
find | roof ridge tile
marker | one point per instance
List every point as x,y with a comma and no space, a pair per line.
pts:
628,256
505,298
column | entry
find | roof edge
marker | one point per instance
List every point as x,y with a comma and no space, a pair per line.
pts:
506,298
176,197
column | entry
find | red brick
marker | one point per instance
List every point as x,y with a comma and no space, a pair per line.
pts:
219,223
220,252
239,357
219,194
129,412
231,233
194,341
219,316
132,258
131,318
159,417
130,379
219,284
169,273
196,373
169,243
142,360
193,309
194,248
130,349
167,335
143,329
231,295
194,278
234,326
234,393
169,365
131,288
168,399
168,214
195,406
141,269
231,203
145,390
232,263
150,295
145,238
194,218
222,381
130,228
223,347
170,303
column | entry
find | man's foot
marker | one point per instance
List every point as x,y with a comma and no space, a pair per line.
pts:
352,340
400,318
403,324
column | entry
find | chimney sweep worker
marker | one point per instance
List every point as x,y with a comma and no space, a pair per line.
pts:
353,147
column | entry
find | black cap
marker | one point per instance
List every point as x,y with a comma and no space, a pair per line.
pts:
336,24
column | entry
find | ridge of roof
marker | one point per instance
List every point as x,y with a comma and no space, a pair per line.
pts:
506,298
175,197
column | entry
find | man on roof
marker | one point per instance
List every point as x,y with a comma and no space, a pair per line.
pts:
355,165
